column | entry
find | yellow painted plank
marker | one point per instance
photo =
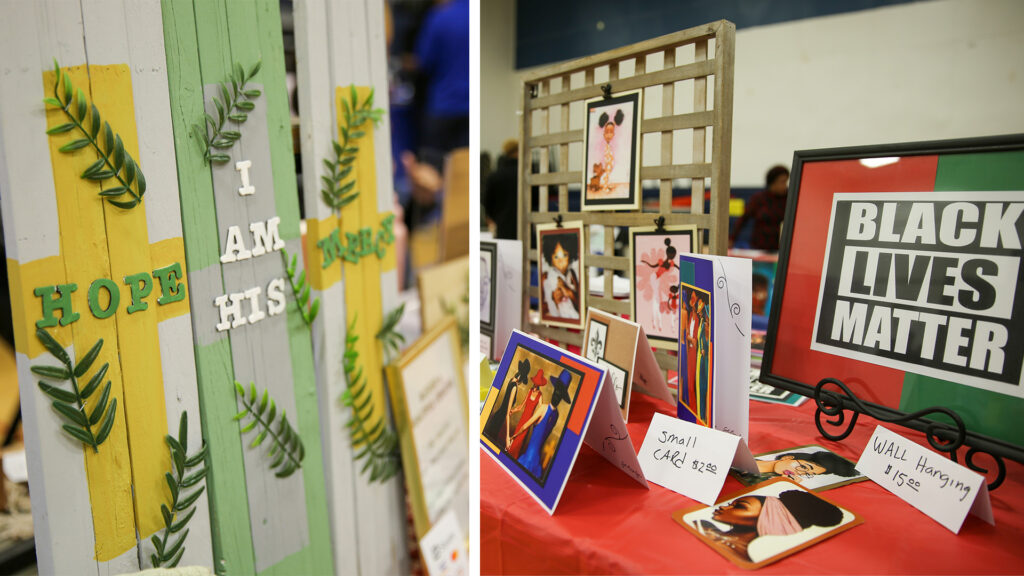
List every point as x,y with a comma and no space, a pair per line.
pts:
164,253
138,339
320,278
362,279
84,248
26,307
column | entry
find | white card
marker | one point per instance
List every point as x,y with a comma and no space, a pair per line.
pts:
444,548
647,375
608,435
930,482
690,459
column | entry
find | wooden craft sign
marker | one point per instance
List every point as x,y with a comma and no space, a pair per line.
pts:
690,459
937,486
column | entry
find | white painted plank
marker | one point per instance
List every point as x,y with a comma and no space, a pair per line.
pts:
60,495
317,122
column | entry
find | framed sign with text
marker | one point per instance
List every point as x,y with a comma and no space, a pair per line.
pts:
899,290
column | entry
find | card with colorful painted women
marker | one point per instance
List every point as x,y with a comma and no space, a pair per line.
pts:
715,325
611,179
621,347
654,285
539,411
563,296
763,524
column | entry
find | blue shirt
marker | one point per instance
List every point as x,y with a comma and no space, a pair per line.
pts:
442,49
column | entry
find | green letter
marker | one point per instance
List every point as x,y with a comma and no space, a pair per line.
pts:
170,289
141,287
331,247
94,298
62,301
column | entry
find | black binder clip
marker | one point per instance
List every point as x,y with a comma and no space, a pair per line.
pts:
659,224
533,91
558,221
607,90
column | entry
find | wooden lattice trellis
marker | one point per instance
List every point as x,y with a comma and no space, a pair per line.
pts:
553,95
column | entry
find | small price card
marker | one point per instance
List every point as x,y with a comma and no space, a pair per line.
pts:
444,548
690,459
935,485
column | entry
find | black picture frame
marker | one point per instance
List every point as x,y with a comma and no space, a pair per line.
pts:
838,407
491,249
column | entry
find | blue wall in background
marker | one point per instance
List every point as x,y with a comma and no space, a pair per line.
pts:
550,31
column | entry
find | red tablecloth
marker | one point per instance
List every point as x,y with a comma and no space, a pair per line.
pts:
608,524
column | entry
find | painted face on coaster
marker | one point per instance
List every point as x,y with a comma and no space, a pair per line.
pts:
791,467
742,511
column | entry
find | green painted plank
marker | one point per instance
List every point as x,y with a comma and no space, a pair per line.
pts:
229,510
320,557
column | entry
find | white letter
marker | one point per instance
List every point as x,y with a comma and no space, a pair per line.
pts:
849,323
253,294
265,237
989,339
227,311
1002,225
903,317
931,327
886,232
275,296
955,340
235,249
918,228
947,228
862,221
878,329
243,168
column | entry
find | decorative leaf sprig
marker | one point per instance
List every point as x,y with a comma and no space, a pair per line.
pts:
337,192
300,289
376,443
114,162
462,322
80,424
388,334
286,447
181,510
233,104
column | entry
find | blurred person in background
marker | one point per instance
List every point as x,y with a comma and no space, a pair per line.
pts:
501,193
766,209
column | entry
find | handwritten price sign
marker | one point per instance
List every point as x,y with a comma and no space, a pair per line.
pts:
937,486
690,459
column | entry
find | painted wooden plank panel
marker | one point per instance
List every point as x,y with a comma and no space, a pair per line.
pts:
368,520
91,505
284,528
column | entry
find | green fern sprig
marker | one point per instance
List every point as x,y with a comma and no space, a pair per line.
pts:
337,192
233,104
114,161
286,447
462,322
80,424
181,510
376,443
300,289
388,334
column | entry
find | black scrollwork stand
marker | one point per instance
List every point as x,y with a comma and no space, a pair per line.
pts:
944,437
